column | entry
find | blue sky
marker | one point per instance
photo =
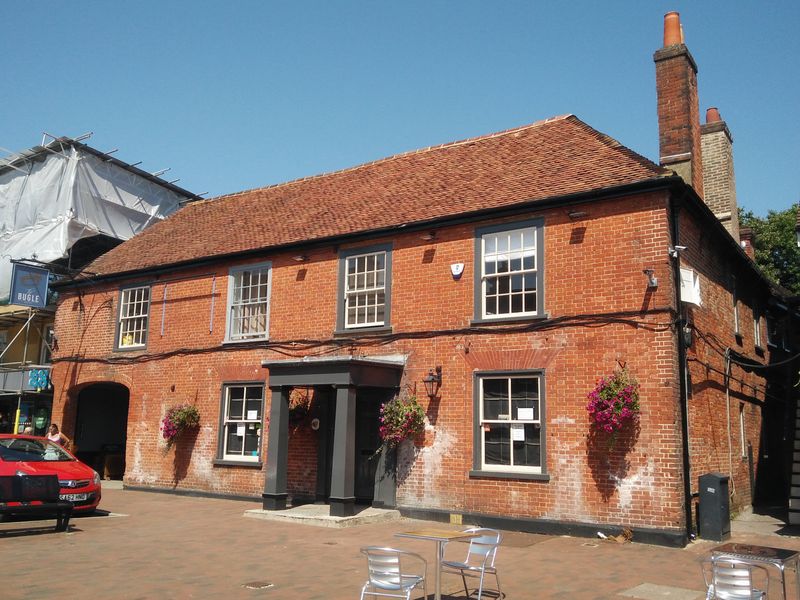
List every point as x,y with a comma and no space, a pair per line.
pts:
240,94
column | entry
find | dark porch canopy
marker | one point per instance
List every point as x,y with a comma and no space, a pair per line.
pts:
345,374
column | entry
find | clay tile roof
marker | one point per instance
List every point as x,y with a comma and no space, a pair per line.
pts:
547,159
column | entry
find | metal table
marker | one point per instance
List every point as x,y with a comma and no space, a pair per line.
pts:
440,536
777,557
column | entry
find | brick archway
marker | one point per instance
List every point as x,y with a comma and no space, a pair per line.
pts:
101,426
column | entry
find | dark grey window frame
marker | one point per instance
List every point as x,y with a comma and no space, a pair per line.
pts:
477,471
220,457
538,224
232,271
340,303
117,347
773,331
758,339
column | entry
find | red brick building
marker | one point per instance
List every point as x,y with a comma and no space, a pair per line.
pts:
526,264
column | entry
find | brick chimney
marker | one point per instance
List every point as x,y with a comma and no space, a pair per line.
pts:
719,182
678,108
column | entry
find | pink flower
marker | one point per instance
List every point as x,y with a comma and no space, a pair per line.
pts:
614,401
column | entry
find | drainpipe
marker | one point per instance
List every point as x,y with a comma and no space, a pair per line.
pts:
728,416
674,212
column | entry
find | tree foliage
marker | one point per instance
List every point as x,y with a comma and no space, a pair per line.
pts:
777,253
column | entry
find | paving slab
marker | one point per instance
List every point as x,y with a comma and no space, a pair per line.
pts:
319,515
650,591
155,545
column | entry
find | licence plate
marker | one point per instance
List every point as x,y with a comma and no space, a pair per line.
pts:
73,497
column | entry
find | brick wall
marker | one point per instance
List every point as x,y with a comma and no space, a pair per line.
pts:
715,425
593,266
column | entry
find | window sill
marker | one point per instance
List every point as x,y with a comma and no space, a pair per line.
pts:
378,330
130,349
508,475
247,341
506,320
218,462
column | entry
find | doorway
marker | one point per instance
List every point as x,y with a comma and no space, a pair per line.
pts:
367,441
101,428
357,385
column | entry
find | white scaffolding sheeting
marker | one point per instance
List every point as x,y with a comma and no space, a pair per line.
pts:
53,196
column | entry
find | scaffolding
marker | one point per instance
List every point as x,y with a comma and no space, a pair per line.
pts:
63,191
62,204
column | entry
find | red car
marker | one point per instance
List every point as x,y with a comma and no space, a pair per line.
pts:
33,455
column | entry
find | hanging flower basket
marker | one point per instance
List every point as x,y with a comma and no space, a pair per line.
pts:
300,401
401,418
179,418
614,402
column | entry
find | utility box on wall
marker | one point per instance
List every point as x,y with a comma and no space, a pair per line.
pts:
715,513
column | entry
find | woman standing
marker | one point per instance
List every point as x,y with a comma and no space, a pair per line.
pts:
54,435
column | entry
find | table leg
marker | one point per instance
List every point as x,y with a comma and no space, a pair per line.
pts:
439,551
797,573
783,580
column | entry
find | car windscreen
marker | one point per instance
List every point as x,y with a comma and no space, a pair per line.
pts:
16,450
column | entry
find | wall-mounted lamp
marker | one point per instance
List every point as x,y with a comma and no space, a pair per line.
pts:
428,236
300,258
675,252
652,280
576,215
432,381
688,337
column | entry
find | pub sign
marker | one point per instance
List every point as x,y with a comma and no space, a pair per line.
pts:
29,286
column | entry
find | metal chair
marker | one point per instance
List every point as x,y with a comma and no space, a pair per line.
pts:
391,570
480,559
732,579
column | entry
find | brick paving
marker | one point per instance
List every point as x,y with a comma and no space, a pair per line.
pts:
166,546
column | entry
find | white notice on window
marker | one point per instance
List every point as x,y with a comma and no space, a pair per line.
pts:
525,414
517,433
252,415
240,430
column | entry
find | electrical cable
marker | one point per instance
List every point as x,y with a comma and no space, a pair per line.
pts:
302,346
750,365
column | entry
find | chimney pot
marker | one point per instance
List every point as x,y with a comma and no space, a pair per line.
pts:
673,32
712,115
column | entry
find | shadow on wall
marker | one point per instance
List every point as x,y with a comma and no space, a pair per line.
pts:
607,454
406,454
184,447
